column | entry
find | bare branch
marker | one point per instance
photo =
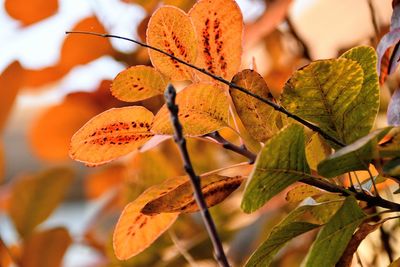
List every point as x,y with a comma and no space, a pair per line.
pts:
170,95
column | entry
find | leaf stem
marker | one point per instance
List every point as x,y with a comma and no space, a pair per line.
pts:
274,105
220,256
242,150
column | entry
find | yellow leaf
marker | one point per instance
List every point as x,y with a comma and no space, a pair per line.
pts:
52,131
316,151
203,108
171,30
35,197
46,248
136,231
111,134
301,192
260,120
9,87
219,28
138,83
215,189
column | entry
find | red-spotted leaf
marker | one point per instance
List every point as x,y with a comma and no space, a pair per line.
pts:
136,231
203,108
138,83
171,30
261,120
215,189
111,134
219,28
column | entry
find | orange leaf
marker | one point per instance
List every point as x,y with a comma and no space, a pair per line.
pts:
100,182
171,30
260,120
219,28
215,189
203,108
112,134
46,248
1,162
82,49
10,82
138,83
36,78
35,197
136,231
51,133
29,12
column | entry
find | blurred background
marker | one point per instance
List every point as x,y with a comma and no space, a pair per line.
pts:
51,84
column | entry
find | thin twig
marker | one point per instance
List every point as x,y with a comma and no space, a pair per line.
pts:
374,21
242,150
185,254
293,31
219,254
274,105
385,238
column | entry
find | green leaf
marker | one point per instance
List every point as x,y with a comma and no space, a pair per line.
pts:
356,156
35,197
290,227
333,238
281,162
392,167
391,147
360,115
260,120
323,91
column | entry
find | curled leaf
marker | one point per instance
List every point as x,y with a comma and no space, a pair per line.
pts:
171,30
215,189
136,231
203,108
138,83
112,134
393,112
219,29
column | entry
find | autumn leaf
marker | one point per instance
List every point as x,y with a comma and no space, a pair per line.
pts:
81,49
137,83
215,189
50,136
219,29
261,120
322,91
393,111
35,197
111,134
364,108
171,30
2,163
9,88
316,150
203,108
136,231
301,192
46,248
103,180
29,12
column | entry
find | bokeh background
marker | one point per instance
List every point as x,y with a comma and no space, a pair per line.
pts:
51,84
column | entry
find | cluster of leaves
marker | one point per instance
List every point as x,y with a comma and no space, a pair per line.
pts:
340,96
